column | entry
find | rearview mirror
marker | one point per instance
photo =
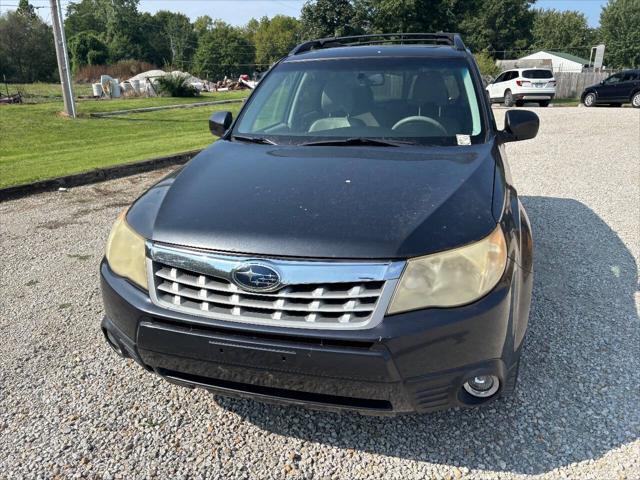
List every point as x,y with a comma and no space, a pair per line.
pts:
219,123
519,125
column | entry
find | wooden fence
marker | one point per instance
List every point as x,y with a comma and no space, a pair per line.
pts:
571,84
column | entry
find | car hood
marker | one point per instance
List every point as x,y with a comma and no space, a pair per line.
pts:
324,202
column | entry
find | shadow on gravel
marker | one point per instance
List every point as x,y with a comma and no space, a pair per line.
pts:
578,392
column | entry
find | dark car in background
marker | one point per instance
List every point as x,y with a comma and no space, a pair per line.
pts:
619,88
353,240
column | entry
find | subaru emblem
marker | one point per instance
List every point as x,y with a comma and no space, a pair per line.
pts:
256,277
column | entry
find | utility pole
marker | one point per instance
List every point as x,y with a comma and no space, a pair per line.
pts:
63,58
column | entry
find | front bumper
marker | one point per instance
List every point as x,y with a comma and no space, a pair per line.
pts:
537,94
415,361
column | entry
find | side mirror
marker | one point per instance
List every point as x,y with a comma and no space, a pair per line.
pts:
219,123
519,125
601,82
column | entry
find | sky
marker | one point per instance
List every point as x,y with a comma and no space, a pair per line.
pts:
239,12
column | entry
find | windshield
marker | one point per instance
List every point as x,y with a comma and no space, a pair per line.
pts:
415,100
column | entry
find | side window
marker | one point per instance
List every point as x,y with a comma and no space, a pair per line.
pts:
613,79
629,77
275,109
514,75
500,78
391,88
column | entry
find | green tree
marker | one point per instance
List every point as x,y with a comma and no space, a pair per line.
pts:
274,38
249,30
116,21
223,51
87,48
327,18
390,16
25,8
499,26
566,31
27,52
203,24
84,16
487,65
178,34
620,32
154,45
122,34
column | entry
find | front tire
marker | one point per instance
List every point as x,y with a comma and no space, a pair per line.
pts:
589,100
509,388
635,100
508,99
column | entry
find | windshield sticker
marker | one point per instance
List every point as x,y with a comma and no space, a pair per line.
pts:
463,139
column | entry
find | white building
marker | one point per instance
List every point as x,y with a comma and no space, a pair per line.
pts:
562,62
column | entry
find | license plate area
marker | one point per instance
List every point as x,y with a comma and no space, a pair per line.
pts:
200,345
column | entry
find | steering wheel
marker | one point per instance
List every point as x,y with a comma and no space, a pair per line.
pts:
417,120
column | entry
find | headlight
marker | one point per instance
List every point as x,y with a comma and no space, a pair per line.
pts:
451,278
126,252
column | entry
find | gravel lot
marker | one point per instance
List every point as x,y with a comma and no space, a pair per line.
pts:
70,408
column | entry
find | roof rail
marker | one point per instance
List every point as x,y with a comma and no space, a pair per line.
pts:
439,38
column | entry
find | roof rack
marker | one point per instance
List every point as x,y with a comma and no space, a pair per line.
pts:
439,38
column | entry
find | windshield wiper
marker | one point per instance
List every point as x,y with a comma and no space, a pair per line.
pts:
374,142
261,140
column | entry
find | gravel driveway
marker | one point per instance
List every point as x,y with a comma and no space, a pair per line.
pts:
70,408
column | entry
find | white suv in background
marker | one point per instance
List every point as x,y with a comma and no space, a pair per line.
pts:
514,87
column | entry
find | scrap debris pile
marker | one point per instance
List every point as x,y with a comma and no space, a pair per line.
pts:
8,99
145,84
240,84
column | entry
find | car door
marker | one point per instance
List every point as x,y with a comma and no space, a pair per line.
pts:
608,90
625,86
508,82
494,90
634,85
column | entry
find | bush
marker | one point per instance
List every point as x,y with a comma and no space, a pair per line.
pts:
123,70
487,65
87,48
175,85
96,57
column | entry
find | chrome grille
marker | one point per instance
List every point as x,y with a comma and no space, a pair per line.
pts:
200,284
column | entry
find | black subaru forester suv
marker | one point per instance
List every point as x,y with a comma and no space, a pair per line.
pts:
353,240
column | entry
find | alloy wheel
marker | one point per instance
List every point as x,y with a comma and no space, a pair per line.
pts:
589,100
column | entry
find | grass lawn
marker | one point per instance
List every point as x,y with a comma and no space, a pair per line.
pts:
566,102
37,143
